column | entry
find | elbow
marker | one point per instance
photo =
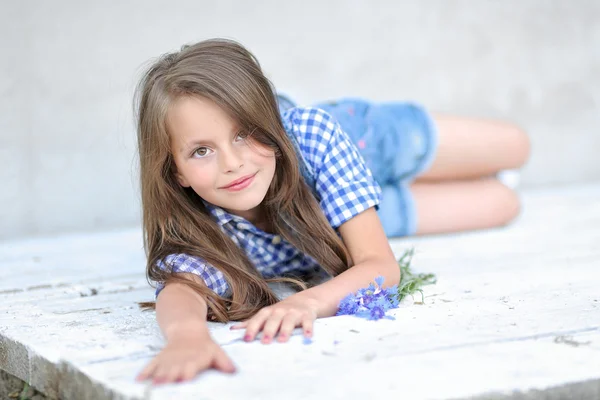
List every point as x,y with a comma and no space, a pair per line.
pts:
393,274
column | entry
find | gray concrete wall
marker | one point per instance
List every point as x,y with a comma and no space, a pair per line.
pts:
68,69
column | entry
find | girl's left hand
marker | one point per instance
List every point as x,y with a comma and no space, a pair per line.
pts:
281,318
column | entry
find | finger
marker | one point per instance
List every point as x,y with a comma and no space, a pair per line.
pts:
307,326
191,369
255,324
272,326
240,325
172,374
159,376
165,374
223,363
147,371
290,321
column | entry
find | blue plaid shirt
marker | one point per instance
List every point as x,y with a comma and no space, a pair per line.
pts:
345,186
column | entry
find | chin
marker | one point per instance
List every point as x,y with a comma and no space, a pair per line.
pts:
247,203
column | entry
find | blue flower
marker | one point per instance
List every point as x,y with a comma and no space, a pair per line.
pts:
380,294
374,312
366,298
392,290
377,312
394,301
368,291
392,296
363,313
383,302
348,305
371,302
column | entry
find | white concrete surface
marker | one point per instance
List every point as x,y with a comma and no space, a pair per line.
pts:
515,314
68,69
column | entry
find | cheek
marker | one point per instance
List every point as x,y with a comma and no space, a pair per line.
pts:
200,176
263,156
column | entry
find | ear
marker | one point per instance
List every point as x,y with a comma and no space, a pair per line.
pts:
180,178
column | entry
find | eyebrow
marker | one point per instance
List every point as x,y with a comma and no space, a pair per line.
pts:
195,143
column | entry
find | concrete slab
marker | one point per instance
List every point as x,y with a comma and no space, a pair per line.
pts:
515,314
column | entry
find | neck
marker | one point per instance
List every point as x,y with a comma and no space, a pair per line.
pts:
261,222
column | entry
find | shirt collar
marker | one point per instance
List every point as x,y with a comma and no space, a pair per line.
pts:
221,216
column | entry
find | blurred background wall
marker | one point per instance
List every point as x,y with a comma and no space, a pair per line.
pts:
68,71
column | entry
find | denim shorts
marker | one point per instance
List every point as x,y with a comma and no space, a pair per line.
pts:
398,141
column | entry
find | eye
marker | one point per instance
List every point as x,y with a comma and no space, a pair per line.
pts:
246,133
243,134
201,152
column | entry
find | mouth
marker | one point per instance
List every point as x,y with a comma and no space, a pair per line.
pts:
240,183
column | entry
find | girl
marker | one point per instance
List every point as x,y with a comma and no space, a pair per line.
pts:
241,188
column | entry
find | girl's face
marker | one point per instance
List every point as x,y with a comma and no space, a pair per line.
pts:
211,152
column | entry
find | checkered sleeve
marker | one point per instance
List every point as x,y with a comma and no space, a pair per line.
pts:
344,182
214,279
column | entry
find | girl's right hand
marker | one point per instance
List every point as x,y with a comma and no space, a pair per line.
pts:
183,358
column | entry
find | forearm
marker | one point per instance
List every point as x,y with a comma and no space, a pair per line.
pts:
327,296
180,309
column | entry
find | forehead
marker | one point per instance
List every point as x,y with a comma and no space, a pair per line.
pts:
196,118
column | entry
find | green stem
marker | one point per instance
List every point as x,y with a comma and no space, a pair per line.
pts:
410,282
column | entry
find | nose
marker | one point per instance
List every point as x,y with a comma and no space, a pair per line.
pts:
230,159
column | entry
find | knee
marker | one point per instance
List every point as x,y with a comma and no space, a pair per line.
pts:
508,203
520,145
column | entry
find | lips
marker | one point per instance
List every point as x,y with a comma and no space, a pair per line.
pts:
238,181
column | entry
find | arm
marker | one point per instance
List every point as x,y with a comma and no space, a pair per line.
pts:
372,256
180,309
180,305
181,315
349,196
370,250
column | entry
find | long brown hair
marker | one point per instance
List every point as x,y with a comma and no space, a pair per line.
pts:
175,220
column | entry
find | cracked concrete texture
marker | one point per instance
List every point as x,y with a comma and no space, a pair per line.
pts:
12,387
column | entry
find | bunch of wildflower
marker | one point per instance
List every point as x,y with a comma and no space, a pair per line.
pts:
371,302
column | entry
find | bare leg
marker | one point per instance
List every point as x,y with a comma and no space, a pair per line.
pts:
463,205
471,148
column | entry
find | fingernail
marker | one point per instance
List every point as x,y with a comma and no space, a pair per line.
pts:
308,333
247,338
266,339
